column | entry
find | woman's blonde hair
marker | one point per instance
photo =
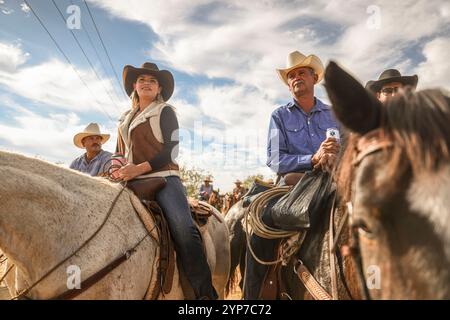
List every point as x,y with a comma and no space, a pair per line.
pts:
135,98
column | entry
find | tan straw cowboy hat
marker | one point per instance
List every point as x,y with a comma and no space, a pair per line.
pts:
208,178
238,181
91,130
296,60
165,78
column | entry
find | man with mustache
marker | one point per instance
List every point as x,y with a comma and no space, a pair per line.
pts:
95,161
297,142
297,131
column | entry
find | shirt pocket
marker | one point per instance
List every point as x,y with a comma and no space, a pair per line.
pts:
296,135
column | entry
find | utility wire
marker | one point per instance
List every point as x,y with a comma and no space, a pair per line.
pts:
98,56
87,58
104,48
67,58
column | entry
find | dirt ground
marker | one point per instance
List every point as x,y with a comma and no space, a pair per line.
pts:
236,294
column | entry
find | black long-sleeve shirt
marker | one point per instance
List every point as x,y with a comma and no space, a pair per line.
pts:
169,124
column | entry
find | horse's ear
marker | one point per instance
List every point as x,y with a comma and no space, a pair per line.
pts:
355,107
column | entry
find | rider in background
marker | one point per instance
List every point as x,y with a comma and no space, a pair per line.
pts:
206,189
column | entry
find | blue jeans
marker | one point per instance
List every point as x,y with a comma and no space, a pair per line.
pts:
186,237
264,249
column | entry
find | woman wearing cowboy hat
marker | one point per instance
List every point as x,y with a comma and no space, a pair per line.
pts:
148,138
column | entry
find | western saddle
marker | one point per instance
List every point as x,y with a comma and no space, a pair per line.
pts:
146,190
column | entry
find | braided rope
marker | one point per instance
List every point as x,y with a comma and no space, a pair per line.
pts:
253,217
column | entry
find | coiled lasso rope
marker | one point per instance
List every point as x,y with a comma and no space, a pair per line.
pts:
253,218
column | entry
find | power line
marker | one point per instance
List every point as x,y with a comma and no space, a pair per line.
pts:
67,58
104,47
87,58
98,55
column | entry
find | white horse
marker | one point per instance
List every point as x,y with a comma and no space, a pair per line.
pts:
47,212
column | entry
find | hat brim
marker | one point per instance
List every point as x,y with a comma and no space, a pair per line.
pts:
165,79
80,136
376,85
310,61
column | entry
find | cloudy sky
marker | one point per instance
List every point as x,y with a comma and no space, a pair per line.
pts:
223,55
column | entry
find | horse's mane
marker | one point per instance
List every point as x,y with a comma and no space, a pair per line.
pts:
418,124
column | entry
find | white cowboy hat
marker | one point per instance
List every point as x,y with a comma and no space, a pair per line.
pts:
208,178
91,130
296,60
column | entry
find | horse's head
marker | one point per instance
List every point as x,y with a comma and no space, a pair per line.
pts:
395,171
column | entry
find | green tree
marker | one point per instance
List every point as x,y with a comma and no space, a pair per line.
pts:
192,179
247,183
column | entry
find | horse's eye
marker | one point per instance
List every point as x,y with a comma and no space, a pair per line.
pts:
363,229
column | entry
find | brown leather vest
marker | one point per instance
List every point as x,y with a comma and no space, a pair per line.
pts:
145,146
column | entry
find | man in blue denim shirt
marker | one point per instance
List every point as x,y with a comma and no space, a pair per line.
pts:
297,131
94,161
296,143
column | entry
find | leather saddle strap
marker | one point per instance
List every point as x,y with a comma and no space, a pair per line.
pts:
311,284
334,290
96,277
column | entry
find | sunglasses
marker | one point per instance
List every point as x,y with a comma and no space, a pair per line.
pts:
390,91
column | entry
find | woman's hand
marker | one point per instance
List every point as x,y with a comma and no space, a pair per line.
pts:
131,171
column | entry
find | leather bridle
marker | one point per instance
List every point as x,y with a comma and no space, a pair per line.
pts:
372,142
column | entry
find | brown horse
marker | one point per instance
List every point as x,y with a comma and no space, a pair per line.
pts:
227,203
396,173
314,253
215,200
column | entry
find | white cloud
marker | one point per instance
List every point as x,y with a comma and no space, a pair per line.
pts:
7,11
49,136
24,7
246,41
435,70
56,84
11,57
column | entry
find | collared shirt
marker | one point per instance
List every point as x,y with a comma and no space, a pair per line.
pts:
207,189
94,167
295,136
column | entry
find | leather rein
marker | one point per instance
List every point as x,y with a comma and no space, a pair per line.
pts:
372,142
96,277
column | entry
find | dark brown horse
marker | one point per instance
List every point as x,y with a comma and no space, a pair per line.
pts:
314,253
398,180
396,173
215,200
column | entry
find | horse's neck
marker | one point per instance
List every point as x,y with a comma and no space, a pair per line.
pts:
41,223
